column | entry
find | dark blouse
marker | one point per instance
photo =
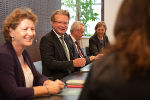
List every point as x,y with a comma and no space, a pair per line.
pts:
96,46
12,81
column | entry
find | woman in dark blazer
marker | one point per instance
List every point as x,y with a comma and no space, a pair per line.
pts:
99,40
124,72
19,80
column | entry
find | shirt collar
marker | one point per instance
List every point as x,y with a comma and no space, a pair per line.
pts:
74,40
57,34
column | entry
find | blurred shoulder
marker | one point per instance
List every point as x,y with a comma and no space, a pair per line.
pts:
107,68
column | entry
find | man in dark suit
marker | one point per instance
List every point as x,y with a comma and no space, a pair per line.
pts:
57,60
77,30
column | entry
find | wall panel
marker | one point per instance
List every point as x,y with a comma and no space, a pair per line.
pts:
42,8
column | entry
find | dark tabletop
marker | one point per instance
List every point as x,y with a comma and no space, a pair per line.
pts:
68,93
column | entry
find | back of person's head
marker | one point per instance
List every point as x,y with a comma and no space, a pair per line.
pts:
100,24
14,19
59,12
133,36
75,26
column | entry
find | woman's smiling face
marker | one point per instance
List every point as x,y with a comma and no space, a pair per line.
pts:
24,33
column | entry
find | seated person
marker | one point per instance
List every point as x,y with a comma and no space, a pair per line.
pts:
77,30
99,40
124,73
19,80
57,60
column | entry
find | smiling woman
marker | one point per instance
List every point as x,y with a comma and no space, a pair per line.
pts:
99,40
17,72
24,33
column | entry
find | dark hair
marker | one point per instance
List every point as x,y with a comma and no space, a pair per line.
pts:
133,36
14,18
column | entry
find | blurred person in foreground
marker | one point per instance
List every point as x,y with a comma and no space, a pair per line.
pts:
124,73
19,80
56,56
99,40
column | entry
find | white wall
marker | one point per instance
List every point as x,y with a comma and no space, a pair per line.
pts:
111,8
84,42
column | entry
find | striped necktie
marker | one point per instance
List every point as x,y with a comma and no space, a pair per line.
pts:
78,48
64,46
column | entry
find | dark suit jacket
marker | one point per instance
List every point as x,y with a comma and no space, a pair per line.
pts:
54,61
95,46
107,81
12,81
75,52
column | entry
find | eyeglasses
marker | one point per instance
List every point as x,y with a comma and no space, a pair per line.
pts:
60,22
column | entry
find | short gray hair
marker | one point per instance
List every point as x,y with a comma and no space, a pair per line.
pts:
75,26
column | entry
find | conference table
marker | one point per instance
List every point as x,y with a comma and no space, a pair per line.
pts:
68,93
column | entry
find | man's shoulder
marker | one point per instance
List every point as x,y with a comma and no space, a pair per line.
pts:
69,37
48,35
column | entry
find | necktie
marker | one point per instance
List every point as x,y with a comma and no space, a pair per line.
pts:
64,46
78,48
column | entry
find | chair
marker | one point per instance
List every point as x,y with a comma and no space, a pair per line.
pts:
38,66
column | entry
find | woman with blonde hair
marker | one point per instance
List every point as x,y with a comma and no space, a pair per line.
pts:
99,40
19,80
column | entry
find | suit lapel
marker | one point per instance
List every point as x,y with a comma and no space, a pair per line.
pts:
59,46
74,51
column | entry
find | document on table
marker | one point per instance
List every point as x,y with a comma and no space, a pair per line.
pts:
70,91
86,68
75,83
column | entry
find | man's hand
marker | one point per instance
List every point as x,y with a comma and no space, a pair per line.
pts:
92,58
79,62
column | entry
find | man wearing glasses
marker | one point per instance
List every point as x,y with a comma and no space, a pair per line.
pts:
56,56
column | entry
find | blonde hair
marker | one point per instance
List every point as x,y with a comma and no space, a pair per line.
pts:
61,12
14,18
75,26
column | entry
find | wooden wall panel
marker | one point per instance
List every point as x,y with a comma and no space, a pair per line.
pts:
42,8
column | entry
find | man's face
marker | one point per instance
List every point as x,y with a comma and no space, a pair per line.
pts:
60,25
79,33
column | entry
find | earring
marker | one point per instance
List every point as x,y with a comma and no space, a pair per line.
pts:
12,38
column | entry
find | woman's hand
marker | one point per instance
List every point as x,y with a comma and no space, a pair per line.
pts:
54,87
62,84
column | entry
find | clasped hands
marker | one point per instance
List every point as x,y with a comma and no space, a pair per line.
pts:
54,87
79,62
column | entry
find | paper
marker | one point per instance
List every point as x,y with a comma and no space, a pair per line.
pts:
75,82
70,91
